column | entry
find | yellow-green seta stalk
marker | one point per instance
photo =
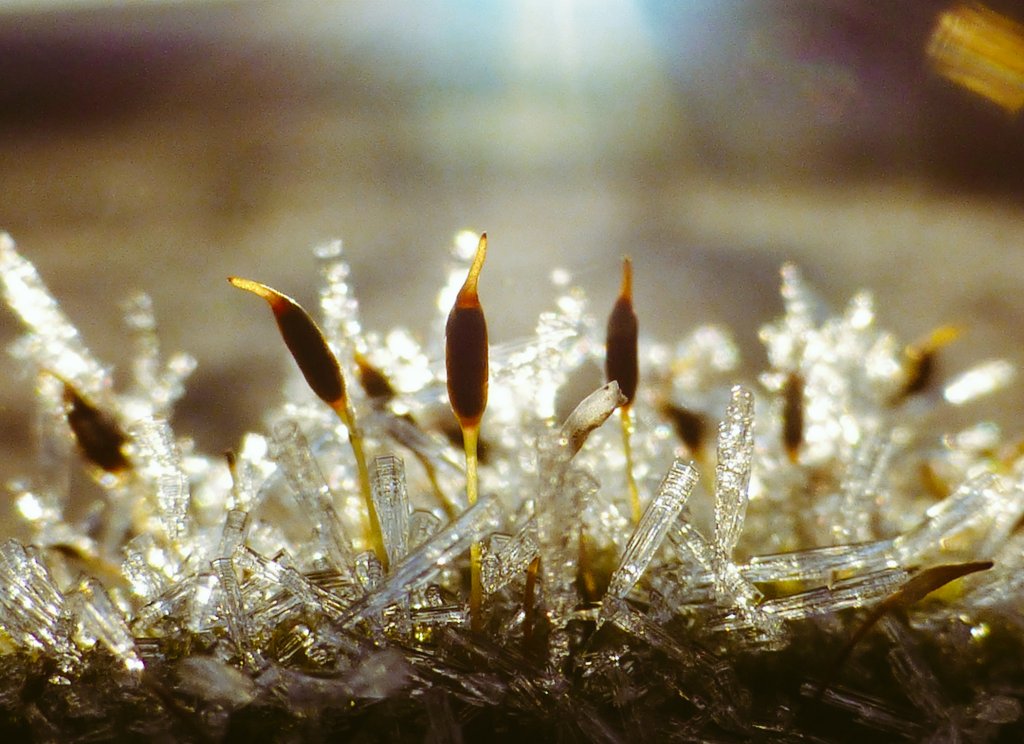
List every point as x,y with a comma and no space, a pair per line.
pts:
466,362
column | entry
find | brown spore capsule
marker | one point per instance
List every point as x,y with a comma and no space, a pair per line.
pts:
621,364
97,433
466,348
374,382
304,340
691,427
793,414
920,360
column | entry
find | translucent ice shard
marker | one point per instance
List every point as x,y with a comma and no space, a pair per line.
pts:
101,621
820,564
33,607
156,385
235,614
694,553
720,678
732,474
655,523
506,559
558,334
55,344
236,527
913,672
426,561
859,591
212,680
160,463
368,570
249,468
558,539
276,574
978,381
392,503
1005,510
861,489
338,304
868,710
736,596
170,606
202,602
957,514
435,617
409,435
43,500
292,453
804,309
422,525
562,495
143,567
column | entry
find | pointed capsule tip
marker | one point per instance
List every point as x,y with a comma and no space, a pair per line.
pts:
627,278
468,294
250,286
374,381
942,336
277,300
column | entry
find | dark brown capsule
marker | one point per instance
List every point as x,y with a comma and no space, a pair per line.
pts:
374,382
620,363
304,340
920,360
466,348
97,433
920,370
793,414
691,427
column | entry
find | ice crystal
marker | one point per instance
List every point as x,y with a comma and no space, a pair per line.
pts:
772,589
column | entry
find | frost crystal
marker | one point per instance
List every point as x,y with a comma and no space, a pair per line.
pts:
655,523
772,589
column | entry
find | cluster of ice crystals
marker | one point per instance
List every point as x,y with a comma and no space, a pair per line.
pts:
211,598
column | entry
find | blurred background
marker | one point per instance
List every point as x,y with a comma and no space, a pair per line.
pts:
164,145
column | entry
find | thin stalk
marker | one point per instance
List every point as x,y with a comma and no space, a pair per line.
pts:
355,438
467,366
470,438
626,418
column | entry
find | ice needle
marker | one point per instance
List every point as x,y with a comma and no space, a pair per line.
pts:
381,392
